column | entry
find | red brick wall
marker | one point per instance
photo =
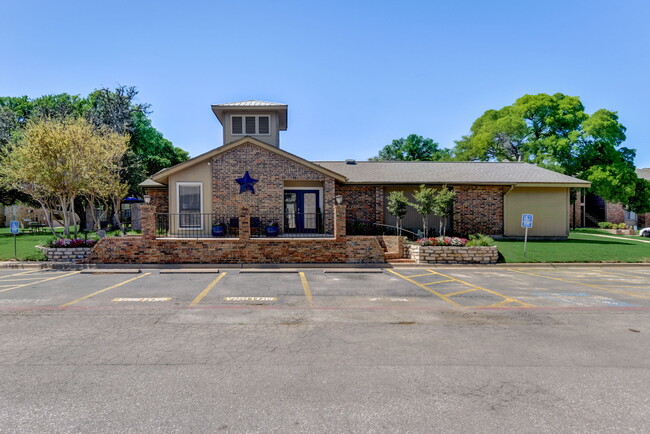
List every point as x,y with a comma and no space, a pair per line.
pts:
478,209
159,198
271,170
141,250
364,203
615,213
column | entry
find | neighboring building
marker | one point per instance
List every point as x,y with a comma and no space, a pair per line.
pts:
297,196
597,210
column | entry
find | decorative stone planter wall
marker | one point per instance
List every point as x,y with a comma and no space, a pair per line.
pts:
621,231
453,255
72,254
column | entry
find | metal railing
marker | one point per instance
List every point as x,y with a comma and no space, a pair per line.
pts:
196,225
292,225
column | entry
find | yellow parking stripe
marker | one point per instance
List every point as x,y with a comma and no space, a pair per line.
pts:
421,275
438,281
573,282
19,274
207,289
38,282
436,293
463,292
305,287
103,290
505,297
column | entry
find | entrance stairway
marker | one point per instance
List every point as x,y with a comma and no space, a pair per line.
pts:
393,257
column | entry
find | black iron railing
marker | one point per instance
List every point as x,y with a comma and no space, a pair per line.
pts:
196,225
292,225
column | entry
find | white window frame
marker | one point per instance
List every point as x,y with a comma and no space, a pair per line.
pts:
243,124
178,204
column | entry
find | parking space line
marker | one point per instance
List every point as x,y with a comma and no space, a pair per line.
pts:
305,287
19,274
498,294
422,275
573,282
103,290
441,296
437,281
465,291
38,282
207,289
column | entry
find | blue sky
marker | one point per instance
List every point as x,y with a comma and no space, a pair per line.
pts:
356,74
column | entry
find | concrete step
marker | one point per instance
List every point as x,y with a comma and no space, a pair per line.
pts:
392,255
401,261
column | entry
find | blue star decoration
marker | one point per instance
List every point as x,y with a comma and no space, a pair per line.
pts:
246,183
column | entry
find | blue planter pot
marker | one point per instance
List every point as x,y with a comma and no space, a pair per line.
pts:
272,231
218,230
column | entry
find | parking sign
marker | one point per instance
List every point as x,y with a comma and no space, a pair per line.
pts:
13,226
526,220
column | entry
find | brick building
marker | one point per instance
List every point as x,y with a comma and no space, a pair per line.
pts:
297,197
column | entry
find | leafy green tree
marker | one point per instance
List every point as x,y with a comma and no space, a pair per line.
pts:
553,131
413,148
58,160
425,203
397,205
444,198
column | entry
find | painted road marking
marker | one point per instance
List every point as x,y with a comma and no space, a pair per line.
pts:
305,287
395,299
143,299
207,289
446,297
19,274
250,299
581,299
103,290
39,281
25,300
573,282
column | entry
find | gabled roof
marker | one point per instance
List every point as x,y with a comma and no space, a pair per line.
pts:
433,172
163,175
252,105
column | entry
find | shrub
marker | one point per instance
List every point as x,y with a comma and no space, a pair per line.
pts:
479,240
605,225
622,226
67,243
442,241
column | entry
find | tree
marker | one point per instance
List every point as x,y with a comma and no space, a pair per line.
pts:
397,205
553,131
413,148
442,206
425,202
58,160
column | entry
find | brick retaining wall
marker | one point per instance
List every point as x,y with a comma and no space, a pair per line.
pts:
453,254
68,254
141,250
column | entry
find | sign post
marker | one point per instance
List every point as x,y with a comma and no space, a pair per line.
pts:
14,228
526,222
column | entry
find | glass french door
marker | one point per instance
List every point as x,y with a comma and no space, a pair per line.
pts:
301,211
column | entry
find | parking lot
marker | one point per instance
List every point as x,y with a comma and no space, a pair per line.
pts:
460,349
330,289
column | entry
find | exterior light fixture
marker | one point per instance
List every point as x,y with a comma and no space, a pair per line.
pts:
339,199
147,199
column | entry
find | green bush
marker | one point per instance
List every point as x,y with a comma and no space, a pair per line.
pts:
622,226
605,225
479,240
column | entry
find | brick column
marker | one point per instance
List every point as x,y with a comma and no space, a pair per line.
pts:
339,221
148,221
244,223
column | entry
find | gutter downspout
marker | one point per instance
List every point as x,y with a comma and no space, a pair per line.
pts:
503,229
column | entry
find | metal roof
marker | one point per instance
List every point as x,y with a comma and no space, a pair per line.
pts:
250,103
433,172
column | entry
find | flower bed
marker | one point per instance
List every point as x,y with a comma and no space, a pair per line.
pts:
65,250
450,254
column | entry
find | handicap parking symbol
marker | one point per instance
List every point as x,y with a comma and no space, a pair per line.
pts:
526,220
13,227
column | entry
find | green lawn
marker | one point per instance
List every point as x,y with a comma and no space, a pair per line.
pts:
25,246
579,247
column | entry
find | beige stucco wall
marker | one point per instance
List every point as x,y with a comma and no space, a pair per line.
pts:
549,206
272,139
200,172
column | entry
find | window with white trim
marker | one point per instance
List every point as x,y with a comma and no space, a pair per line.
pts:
250,125
189,205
